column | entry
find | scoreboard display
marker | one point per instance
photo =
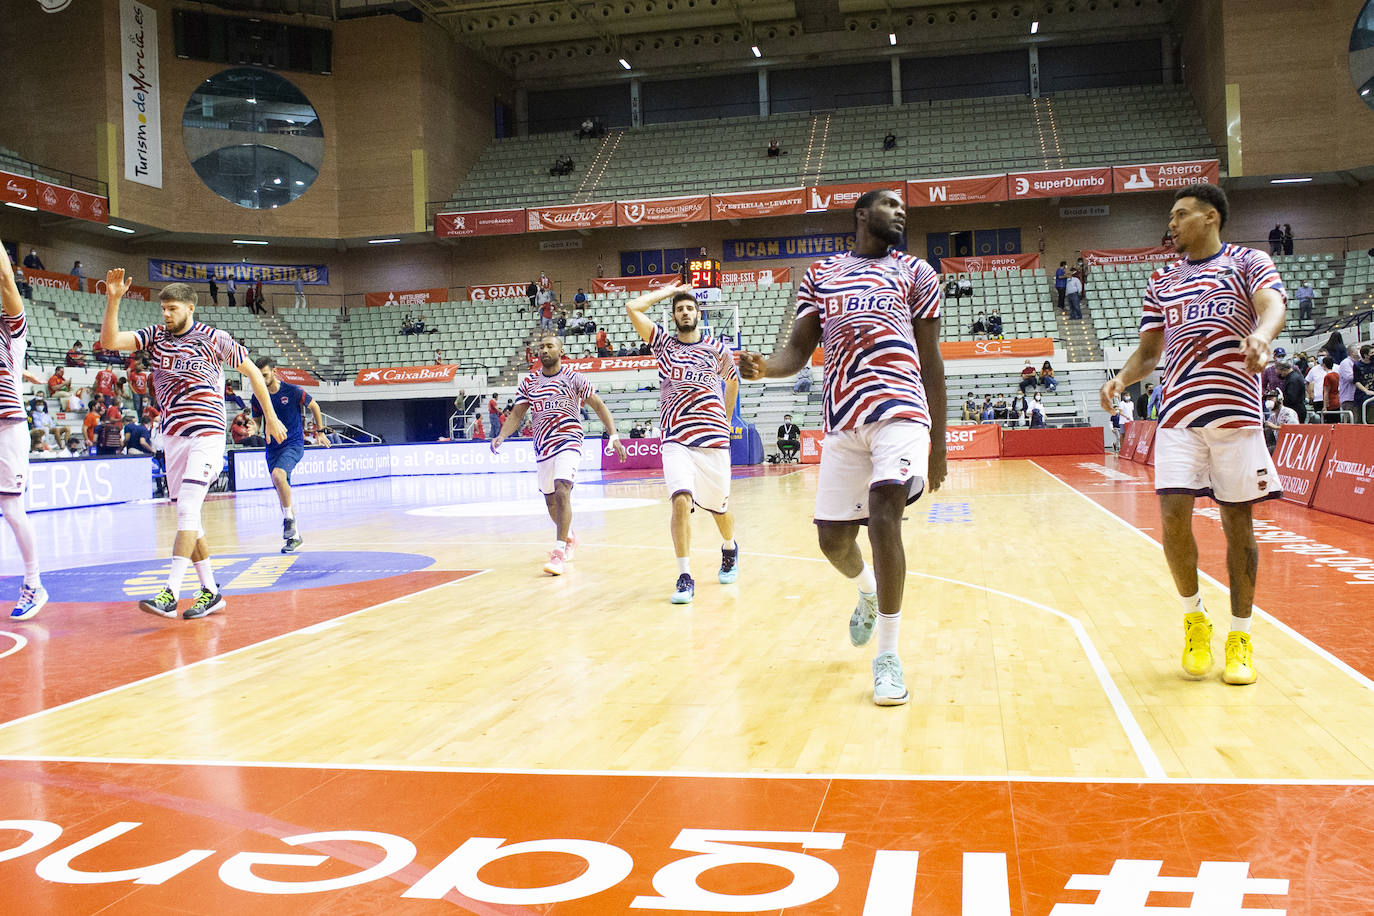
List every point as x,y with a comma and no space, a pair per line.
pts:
703,273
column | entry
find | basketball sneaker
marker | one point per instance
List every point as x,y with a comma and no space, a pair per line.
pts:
557,559
568,551
729,565
888,687
683,591
864,617
31,601
1197,644
206,603
163,605
291,544
1240,668
290,535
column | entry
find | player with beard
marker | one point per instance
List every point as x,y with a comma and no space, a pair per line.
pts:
188,360
556,395
876,311
696,426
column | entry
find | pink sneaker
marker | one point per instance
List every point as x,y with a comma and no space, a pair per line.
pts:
555,565
572,542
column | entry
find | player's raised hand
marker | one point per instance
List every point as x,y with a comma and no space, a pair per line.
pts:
750,365
322,439
1256,351
116,285
275,430
1111,390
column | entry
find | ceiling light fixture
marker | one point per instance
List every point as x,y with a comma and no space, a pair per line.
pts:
892,38
625,63
10,203
125,229
249,242
758,53
382,241
1290,180
1035,26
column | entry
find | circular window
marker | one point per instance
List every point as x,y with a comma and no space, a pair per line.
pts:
1362,54
253,138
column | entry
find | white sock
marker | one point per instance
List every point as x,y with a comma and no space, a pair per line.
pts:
178,573
888,627
561,545
13,508
205,571
1240,624
729,545
31,578
684,565
865,581
1191,603
289,513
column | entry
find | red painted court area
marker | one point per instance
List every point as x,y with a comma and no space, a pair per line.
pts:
154,838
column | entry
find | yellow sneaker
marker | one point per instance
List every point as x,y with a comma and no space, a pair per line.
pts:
1197,644
1239,667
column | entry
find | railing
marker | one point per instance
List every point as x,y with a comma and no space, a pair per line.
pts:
17,166
363,436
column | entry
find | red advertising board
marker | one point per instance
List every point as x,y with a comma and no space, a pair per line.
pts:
406,375
611,363
54,198
296,376
1165,176
18,189
1068,440
941,192
1059,183
763,276
52,279
844,196
1145,444
478,222
1346,484
486,291
980,263
983,441
574,216
1298,457
812,442
750,204
639,454
406,297
1161,253
633,284
658,210
1128,441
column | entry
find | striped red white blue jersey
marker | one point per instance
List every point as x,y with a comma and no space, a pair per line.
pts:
1206,309
555,404
188,376
12,349
866,307
691,406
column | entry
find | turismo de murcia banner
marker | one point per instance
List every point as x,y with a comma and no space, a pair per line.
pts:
160,271
142,113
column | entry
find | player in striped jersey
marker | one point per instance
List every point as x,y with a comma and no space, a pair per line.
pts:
696,426
876,311
188,360
556,395
14,438
1212,315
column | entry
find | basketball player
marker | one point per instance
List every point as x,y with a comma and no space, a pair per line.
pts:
876,311
1213,315
556,396
14,439
288,402
696,426
188,360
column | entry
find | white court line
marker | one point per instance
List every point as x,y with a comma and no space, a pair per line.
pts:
19,643
1284,628
215,659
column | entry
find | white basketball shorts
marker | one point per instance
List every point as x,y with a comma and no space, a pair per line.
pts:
562,466
196,460
1232,466
854,461
703,473
14,456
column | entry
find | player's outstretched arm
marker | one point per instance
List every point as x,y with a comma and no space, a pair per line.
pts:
111,337
801,343
603,414
927,333
513,421
10,299
637,307
1139,365
274,428
1271,315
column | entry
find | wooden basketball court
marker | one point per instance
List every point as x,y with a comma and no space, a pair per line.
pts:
409,716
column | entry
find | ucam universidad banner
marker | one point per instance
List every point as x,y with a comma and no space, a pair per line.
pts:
788,246
140,87
162,271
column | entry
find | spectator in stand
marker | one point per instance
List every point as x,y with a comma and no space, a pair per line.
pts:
1362,375
254,439
965,286
105,386
789,438
995,325
258,300
1029,379
407,325
1020,407
21,284
1061,282
603,343
1276,240
438,356
1118,427
1335,346
1269,378
91,423
230,287
32,261
139,379
560,321
1047,379
38,416
1276,415
137,439
623,351
1073,294
1000,408
889,142
1294,389
1127,407
1156,401
214,292
532,291
80,277
110,437
231,396
238,430
1305,301
1316,373
477,431
299,286
563,165
1037,412
803,380
980,326
38,444
1142,402
58,381
1168,240
580,300
970,414
1287,239
493,413
546,314
645,349
986,415
76,356
951,287
1330,399
773,149
637,430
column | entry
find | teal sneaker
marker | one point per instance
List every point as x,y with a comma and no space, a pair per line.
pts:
888,687
31,601
683,591
206,603
864,617
729,565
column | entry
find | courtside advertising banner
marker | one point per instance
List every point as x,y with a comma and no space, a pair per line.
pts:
940,192
984,441
296,376
812,444
577,216
163,271
478,222
67,484
406,297
52,280
986,262
993,349
633,284
1059,183
751,204
640,454
1165,176
1145,443
658,210
1298,456
1128,440
764,276
1346,484
139,88
18,189
64,201
845,196
1155,253
406,375
611,363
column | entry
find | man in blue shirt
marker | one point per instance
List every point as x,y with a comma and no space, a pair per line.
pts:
1061,282
137,439
288,403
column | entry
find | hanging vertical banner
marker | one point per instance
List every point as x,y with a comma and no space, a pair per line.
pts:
139,85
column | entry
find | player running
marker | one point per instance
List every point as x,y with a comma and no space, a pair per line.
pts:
556,395
288,403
